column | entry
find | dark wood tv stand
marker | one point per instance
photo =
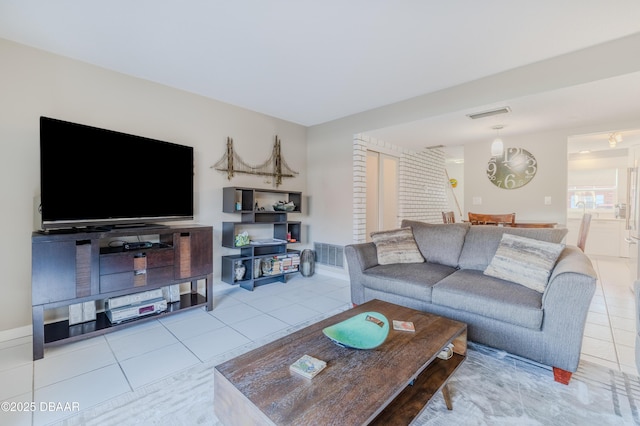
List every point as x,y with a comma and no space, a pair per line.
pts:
80,266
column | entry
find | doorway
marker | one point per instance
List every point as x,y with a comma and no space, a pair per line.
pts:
381,193
599,184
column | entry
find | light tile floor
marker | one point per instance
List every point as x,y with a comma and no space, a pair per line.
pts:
95,370
610,332
92,371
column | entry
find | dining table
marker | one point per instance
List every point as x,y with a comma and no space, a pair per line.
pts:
529,224
533,224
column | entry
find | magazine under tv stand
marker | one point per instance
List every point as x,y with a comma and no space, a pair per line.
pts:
71,268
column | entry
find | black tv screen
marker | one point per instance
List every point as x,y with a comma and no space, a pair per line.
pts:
98,177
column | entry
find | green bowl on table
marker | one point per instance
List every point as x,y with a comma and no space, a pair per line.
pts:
367,330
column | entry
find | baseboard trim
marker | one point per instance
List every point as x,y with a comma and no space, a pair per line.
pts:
331,272
16,333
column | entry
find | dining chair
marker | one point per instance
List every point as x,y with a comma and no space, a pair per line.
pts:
585,224
508,219
448,217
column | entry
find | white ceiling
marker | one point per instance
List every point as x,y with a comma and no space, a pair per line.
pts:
310,62
613,99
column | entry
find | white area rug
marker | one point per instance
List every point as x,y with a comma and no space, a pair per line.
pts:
490,388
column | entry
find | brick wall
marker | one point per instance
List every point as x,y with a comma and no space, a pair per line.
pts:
421,183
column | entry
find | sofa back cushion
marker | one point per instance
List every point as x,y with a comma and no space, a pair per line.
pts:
439,243
482,241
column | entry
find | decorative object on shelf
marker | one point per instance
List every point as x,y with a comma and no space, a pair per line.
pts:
284,206
171,293
82,312
257,271
275,165
513,169
242,239
447,352
239,271
307,262
266,265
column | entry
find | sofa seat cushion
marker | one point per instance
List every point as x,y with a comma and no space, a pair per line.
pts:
472,291
482,241
409,279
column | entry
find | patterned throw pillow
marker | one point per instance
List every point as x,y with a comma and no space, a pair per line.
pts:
396,246
525,261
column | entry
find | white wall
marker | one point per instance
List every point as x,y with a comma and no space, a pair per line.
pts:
330,144
550,151
35,83
456,171
421,190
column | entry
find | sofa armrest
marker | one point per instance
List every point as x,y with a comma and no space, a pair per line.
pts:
360,257
566,302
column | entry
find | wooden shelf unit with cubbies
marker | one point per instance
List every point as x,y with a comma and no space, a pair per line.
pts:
255,207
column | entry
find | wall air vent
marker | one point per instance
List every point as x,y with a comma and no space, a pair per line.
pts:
329,254
497,111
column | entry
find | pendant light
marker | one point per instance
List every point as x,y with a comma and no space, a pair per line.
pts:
614,139
497,147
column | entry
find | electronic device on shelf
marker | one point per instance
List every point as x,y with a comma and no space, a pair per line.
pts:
137,245
129,312
132,299
87,178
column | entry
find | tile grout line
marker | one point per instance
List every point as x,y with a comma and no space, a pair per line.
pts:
596,266
606,307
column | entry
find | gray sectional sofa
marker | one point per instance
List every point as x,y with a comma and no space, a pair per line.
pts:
546,327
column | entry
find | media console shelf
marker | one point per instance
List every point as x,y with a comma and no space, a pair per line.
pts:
76,267
255,207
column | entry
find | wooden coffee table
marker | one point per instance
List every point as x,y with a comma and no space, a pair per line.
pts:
390,384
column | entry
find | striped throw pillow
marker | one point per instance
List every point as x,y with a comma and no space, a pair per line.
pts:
396,246
525,261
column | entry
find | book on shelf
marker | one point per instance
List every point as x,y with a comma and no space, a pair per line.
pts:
307,366
403,325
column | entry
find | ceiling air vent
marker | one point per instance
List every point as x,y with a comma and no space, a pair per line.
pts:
477,115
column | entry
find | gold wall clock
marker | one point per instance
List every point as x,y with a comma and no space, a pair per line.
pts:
513,169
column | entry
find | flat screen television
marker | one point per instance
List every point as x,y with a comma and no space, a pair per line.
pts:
92,177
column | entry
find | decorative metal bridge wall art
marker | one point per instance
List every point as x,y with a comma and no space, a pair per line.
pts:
275,165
